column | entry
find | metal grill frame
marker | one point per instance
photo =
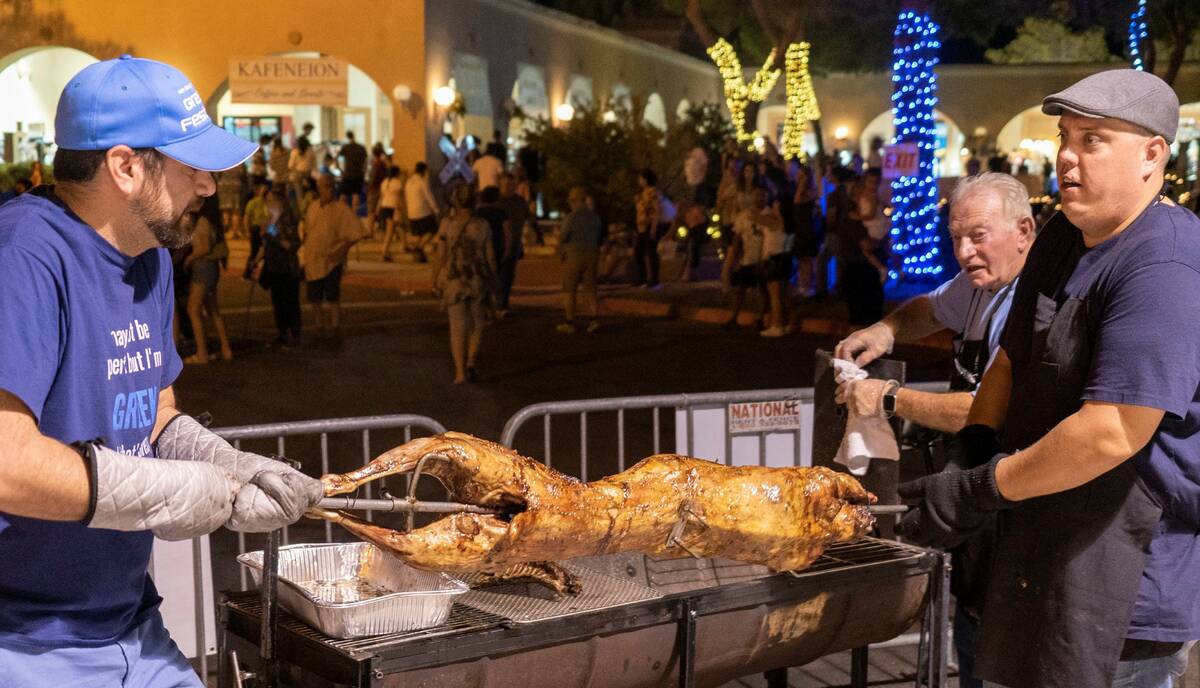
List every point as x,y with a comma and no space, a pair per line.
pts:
846,566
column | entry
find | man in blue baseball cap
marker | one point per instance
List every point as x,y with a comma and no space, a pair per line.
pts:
95,460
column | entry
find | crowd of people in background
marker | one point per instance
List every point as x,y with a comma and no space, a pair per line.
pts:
774,232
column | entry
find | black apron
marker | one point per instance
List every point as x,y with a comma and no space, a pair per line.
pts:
971,560
1066,567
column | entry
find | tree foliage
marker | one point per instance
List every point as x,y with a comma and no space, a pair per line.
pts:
605,157
1045,41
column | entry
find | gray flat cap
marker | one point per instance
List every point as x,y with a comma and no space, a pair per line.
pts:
1126,94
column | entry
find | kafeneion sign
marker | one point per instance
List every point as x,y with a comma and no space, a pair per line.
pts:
289,80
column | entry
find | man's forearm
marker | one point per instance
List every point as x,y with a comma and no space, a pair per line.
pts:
913,320
39,477
946,412
991,399
1084,446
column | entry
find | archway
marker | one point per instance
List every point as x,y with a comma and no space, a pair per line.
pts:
1029,141
949,159
579,91
1187,144
31,81
655,113
368,113
531,102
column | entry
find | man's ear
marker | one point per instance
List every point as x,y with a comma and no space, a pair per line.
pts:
1026,231
120,163
1157,155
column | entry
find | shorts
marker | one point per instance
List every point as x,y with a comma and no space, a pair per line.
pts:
747,276
143,657
351,186
387,213
778,268
423,225
205,274
327,289
580,268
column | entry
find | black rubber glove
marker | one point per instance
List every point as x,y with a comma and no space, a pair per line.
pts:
973,446
953,505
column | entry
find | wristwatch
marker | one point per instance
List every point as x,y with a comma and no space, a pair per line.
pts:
887,402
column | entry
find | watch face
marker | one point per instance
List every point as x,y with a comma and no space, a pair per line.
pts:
889,403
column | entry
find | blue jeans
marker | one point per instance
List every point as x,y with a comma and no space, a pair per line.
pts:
145,657
1160,672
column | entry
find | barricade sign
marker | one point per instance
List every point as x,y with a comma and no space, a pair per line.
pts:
900,160
764,416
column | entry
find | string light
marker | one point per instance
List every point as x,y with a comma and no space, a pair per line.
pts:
914,199
739,95
1138,32
802,105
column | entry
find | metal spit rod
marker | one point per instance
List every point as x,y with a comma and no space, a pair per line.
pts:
348,503
878,509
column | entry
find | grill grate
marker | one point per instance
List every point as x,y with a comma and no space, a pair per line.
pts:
527,603
864,552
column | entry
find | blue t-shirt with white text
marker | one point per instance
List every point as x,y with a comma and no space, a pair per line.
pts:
86,345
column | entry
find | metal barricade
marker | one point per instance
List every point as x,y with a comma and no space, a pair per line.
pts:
685,408
280,432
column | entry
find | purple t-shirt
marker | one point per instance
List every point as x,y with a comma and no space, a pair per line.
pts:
1143,291
85,343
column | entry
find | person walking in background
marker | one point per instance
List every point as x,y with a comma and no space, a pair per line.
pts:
727,198
380,164
255,219
859,257
231,192
277,161
422,209
804,207
208,251
464,278
743,263
516,211
258,162
281,272
302,163
778,265
330,229
488,169
579,248
389,207
694,222
493,213
354,170
648,207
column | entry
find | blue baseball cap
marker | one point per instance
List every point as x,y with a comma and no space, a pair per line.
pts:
144,104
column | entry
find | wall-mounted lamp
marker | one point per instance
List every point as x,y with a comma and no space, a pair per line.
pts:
402,92
444,96
565,112
841,133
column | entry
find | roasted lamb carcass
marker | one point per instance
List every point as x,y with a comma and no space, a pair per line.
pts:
666,505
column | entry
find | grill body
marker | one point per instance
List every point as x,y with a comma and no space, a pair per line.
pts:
711,622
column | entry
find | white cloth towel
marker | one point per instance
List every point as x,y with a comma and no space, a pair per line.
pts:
866,438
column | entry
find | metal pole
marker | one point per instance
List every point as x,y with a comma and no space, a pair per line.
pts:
940,642
858,667
686,644
269,672
198,604
583,446
325,471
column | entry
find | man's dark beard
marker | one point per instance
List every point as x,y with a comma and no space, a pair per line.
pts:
170,232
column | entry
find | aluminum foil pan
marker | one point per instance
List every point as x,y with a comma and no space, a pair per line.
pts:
350,590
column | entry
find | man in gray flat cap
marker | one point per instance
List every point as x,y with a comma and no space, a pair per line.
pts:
1093,400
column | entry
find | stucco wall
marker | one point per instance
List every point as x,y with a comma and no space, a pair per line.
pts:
510,31
384,38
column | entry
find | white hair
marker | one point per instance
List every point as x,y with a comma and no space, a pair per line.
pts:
1012,193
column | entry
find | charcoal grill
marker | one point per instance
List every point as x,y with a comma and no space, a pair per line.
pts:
682,622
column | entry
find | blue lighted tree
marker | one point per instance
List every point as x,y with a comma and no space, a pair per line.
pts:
914,95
